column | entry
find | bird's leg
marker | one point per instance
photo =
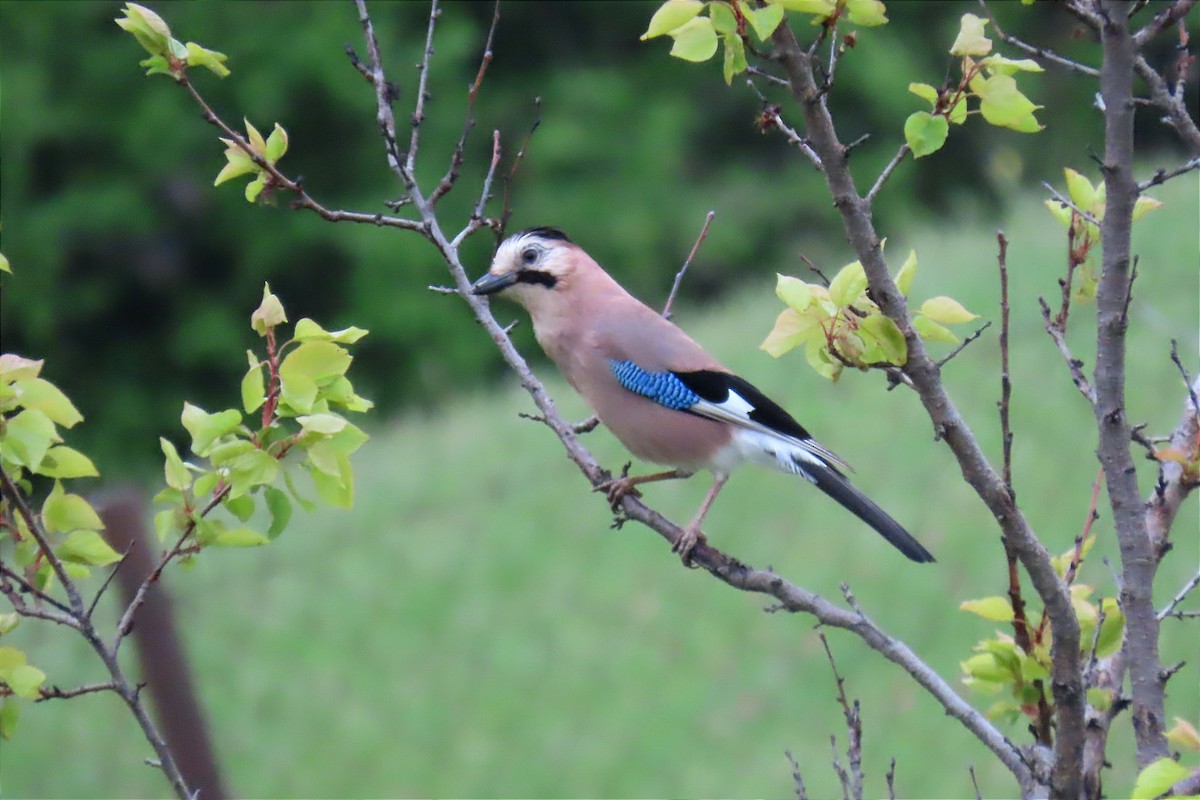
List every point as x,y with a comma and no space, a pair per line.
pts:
616,488
691,535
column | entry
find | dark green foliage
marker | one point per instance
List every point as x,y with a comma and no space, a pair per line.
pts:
132,270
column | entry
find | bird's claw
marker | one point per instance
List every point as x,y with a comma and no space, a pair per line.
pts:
686,543
616,489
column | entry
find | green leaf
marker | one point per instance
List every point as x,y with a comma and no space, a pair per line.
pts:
1080,189
821,8
238,163
340,392
65,462
303,501
996,608
198,56
695,40
9,623
930,331
10,713
307,330
672,15
17,368
1003,105
207,428
1144,205
348,439
1033,670
722,18
848,284
166,522
334,486
241,507
305,367
1182,734
793,291
4,267
1007,66
177,475
925,133
254,188
147,27
253,389
1113,629
253,468
225,453
1004,709
277,144
1158,778
958,114
908,271
888,336
925,92
984,666
868,13
970,40
735,57
1100,699
1060,211
817,354
25,681
254,137
280,508
326,424
64,512
946,310
87,547
239,537
27,437
763,20
43,395
791,330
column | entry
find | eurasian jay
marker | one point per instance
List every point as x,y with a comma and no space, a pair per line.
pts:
660,393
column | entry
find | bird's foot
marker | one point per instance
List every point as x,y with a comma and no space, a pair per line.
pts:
686,543
617,488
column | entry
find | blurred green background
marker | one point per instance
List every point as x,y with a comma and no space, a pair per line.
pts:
471,628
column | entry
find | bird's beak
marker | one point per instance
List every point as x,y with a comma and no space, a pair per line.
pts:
491,283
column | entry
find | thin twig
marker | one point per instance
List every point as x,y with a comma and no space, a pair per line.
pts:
797,780
1074,365
941,362
1005,381
17,500
891,779
974,783
55,693
418,115
1179,597
108,580
887,173
506,208
854,778
1038,53
1187,378
666,312
1162,175
1069,203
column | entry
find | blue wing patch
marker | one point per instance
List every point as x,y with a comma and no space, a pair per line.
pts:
664,388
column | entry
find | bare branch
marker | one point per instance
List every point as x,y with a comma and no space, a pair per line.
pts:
666,312
797,780
852,782
1005,381
1037,53
506,209
1069,203
1179,597
1073,364
891,780
112,573
55,693
418,115
1162,175
887,173
974,783
1173,13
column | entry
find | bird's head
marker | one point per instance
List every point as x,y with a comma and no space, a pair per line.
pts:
528,265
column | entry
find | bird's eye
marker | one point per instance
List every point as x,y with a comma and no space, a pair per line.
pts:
529,255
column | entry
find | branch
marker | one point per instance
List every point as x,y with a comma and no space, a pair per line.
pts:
1073,364
947,422
1005,381
1163,19
1162,175
666,312
887,173
1039,54
797,780
1179,597
418,115
852,782
9,490
1138,563
55,693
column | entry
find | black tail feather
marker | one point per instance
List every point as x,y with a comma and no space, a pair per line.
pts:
834,484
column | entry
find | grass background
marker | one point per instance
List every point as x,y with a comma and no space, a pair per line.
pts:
473,628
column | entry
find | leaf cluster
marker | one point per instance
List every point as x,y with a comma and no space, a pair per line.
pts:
839,325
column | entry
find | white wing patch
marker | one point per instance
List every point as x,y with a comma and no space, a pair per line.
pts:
781,451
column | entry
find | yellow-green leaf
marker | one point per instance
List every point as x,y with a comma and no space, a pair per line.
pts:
64,512
1184,734
672,15
735,57
925,133
1003,105
277,144
253,389
1158,778
27,438
763,20
793,291
1060,211
925,92
931,331
848,284
66,462
269,313
695,40
87,547
198,56
4,267
908,271
946,311
790,331
821,8
42,394
970,40
177,475
15,368
868,13
1144,205
1080,189
995,608
884,331
240,537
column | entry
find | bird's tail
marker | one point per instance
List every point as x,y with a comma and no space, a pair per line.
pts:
834,484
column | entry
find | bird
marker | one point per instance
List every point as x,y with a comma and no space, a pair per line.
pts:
658,391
